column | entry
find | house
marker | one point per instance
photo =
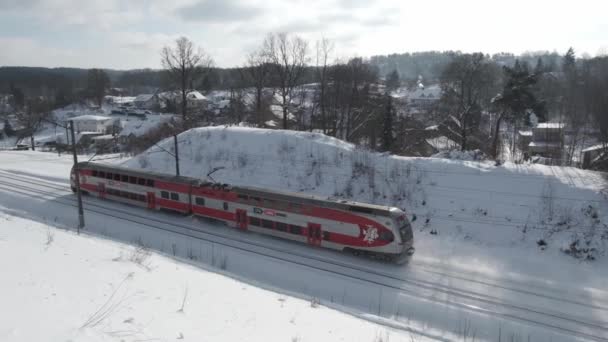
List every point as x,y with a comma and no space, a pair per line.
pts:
146,101
424,98
194,99
524,138
547,140
91,123
590,154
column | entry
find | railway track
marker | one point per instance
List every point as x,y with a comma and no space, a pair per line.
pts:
452,296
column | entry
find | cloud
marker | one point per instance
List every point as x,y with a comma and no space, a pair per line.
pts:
218,11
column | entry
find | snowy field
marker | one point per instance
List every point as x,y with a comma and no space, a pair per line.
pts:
478,269
81,288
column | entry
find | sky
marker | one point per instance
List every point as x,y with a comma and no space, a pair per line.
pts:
121,34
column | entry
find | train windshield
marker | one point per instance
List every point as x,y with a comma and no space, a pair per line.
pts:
405,229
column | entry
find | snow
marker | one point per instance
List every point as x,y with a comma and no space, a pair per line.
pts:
83,288
195,95
143,97
103,137
550,125
476,224
594,148
525,133
120,100
544,144
442,143
90,118
138,127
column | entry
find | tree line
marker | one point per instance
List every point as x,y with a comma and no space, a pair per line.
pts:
481,95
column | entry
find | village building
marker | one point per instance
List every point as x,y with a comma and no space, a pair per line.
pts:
547,140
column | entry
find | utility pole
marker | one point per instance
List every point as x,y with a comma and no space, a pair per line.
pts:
176,155
77,179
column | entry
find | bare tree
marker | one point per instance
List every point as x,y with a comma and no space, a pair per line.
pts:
465,83
257,72
288,57
184,63
324,49
97,83
36,111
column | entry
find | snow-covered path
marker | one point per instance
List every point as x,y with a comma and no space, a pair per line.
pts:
436,296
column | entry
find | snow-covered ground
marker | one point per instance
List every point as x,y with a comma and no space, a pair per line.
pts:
57,286
477,270
508,206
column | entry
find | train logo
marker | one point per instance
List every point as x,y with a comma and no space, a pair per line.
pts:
370,234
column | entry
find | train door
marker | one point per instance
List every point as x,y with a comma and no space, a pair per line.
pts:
314,234
101,187
151,200
241,219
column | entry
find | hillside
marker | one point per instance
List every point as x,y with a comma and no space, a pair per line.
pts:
536,208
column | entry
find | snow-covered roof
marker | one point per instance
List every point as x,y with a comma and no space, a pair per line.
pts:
432,128
195,95
168,95
550,125
525,133
594,148
432,92
544,144
90,118
442,143
103,137
143,97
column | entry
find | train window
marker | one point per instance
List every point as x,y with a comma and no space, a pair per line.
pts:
124,178
295,229
387,236
94,173
270,203
116,177
142,198
101,174
295,207
243,197
141,181
256,199
200,201
109,175
150,182
267,224
254,221
174,196
281,226
164,194
326,236
225,205
132,180
360,209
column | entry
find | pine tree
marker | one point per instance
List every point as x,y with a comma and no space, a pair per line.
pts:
8,129
540,67
392,80
569,61
387,126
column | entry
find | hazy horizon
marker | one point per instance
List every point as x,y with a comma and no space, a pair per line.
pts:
116,35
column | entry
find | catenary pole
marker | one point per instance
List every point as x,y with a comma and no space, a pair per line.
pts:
77,179
176,155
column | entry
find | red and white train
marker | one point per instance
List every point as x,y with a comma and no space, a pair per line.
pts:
363,229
